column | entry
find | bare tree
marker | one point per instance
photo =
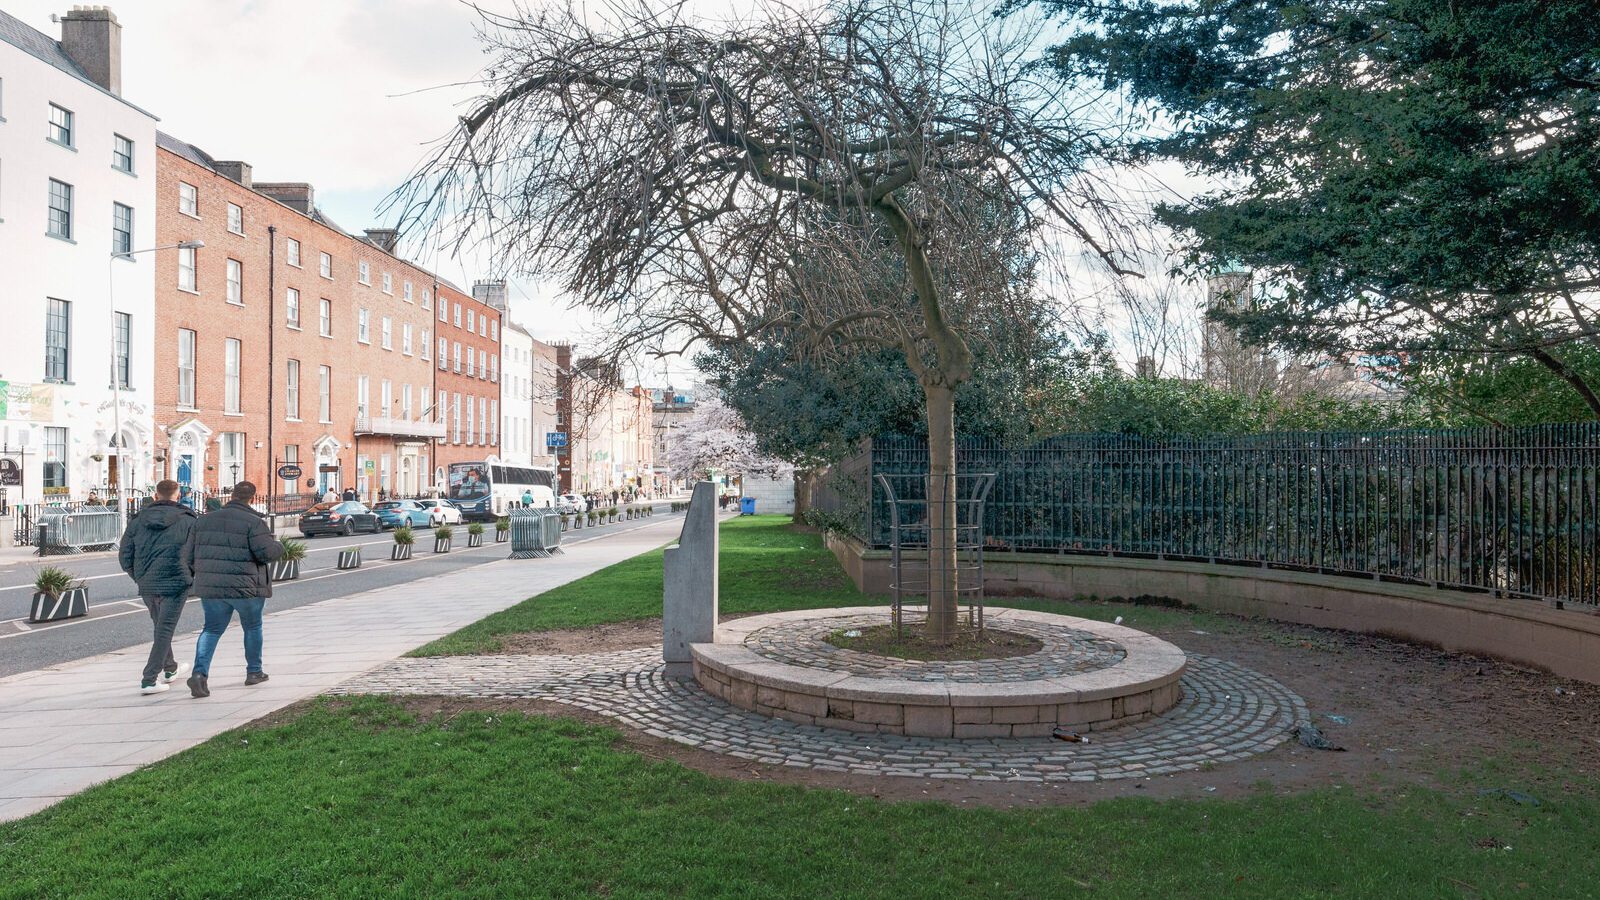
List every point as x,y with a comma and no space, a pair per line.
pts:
857,172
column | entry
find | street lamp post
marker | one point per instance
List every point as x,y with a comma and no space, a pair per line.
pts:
116,372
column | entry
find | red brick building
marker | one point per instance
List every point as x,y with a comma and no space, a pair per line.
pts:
284,340
467,378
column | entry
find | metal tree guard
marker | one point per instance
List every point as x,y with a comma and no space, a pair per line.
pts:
911,516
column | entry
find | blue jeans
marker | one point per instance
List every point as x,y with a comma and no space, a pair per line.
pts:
218,614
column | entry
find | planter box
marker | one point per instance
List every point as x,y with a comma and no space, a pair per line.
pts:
400,551
350,559
69,604
500,537
441,545
286,570
474,540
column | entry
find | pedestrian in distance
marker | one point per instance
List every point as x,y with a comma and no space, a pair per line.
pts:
229,556
527,499
153,552
330,497
349,493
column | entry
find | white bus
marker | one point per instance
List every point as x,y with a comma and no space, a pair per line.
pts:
486,491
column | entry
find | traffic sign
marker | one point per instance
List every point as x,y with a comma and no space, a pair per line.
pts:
555,439
289,471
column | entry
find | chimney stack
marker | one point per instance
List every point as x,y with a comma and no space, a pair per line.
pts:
492,293
92,37
385,239
234,170
296,195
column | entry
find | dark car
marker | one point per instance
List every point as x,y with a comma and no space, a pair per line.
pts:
343,517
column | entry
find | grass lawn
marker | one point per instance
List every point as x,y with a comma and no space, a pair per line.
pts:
366,798
766,567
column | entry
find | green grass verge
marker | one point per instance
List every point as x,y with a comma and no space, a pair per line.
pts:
767,566
366,799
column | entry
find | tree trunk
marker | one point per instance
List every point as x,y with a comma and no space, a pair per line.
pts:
942,497
803,481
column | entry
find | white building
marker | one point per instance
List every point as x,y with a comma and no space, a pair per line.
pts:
516,396
77,182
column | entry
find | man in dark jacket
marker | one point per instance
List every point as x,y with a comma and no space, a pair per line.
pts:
229,555
152,551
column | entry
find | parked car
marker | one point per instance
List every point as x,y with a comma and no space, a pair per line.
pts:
395,513
571,504
440,511
343,517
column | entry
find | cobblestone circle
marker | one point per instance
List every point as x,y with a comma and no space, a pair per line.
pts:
1227,713
1066,651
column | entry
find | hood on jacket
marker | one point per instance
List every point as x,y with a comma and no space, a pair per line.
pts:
157,516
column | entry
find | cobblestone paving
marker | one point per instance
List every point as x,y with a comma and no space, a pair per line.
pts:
1228,713
1066,651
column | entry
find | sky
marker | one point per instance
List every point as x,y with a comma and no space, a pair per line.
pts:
344,94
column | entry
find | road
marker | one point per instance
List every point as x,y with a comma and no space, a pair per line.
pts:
117,618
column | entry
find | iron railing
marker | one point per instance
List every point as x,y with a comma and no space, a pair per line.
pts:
1511,511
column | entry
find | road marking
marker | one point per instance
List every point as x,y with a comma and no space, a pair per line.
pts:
84,620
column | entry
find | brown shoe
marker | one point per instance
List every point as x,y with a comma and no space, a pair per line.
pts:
254,678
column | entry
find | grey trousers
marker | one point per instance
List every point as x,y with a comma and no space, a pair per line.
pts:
164,612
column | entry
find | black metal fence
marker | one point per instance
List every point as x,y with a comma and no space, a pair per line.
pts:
1515,512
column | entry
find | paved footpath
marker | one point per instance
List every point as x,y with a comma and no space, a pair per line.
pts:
67,727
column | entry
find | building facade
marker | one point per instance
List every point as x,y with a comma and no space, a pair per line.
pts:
79,186
516,396
466,379
284,343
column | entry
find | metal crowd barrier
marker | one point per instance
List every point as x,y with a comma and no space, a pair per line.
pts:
535,533
62,532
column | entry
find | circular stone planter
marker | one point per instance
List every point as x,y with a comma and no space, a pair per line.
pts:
1089,675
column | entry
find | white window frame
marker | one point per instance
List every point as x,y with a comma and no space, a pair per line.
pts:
291,308
405,292
233,380
388,284
292,252
427,346
427,299
235,219
364,273
324,394
188,347
444,310
188,200
235,270
363,326
386,332
325,265
405,338
444,353
189,265
325,317
291,391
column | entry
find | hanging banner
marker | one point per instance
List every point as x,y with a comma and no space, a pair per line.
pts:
24,402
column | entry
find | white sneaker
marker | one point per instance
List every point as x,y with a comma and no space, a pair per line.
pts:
175,674
156,688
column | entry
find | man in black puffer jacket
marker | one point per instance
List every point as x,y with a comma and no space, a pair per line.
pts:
229,555
152,552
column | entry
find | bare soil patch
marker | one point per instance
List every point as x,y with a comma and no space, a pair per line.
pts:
912,642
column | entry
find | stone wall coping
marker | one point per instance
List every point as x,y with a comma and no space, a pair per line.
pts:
1151,663
1515,609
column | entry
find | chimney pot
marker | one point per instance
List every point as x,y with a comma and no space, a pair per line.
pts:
92,36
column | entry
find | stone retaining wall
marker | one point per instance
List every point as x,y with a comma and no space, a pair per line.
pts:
1563,641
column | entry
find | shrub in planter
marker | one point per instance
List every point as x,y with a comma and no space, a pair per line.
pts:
475,534
404,538
287,568
57,595
564,520
502,530
441,538
613,513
